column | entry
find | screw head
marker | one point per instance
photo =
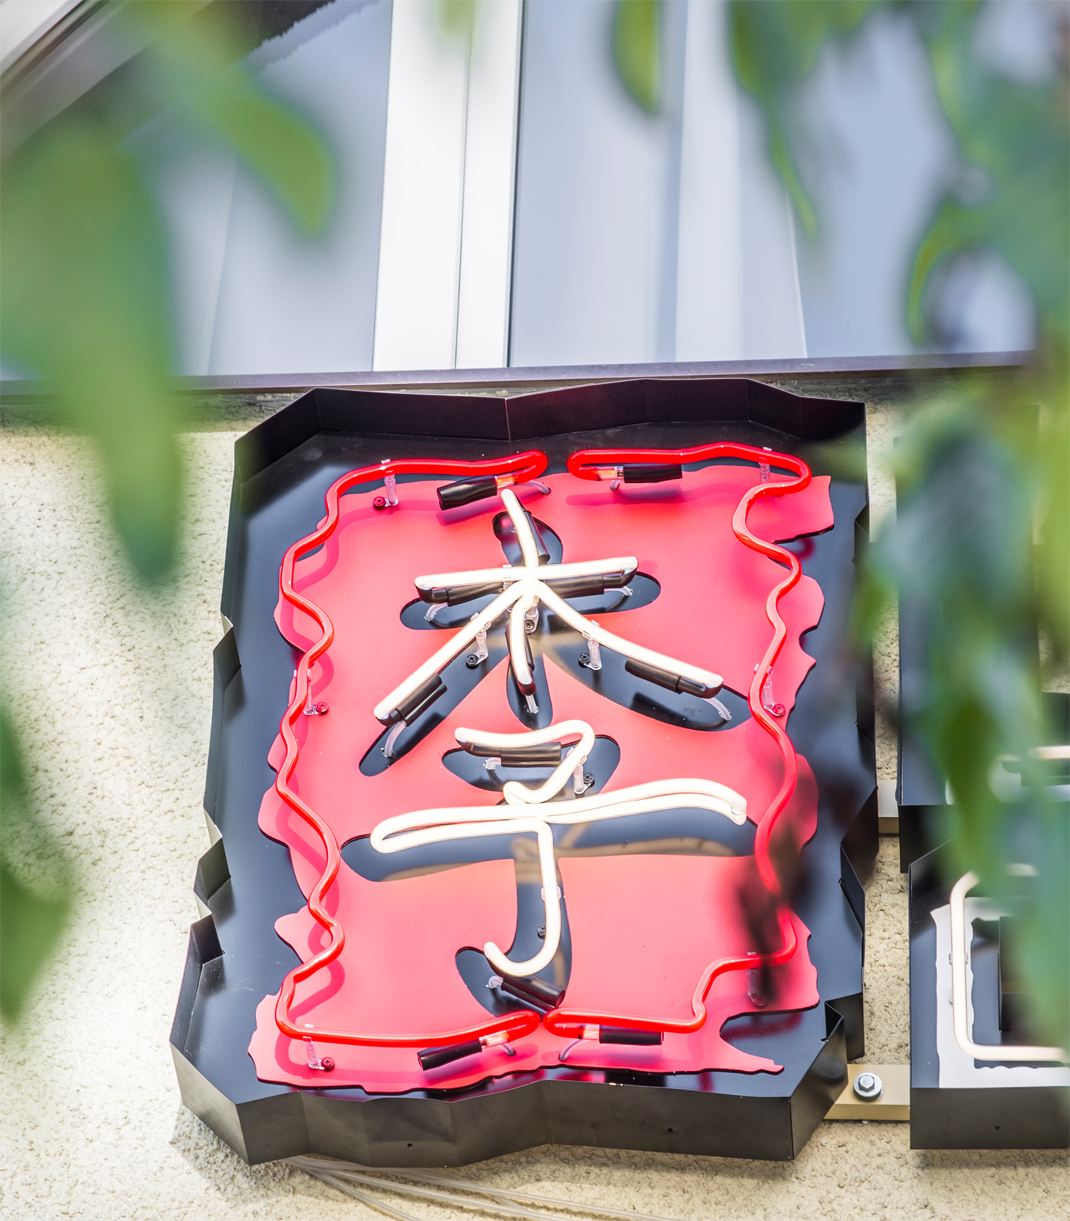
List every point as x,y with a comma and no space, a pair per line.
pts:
588,778
328,1063
584,659
322,708
379,502
472,660
541,932
868,1086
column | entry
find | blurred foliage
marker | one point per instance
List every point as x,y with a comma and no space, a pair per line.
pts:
982,536
981,472
457,18
35,881
637,50
1013,141
86,305
775,45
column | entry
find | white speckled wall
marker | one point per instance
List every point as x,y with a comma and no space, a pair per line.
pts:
114,693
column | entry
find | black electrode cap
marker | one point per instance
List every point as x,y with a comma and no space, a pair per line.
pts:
622,1034
435,1057
454,595
420,700
668,680
464,491
548,755
579,587
533,990
651,472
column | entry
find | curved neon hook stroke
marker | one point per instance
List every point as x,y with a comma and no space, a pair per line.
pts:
529,810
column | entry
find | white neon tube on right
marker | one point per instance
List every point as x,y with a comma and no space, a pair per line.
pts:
979,1051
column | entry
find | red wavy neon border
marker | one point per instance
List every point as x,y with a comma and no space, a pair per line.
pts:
529,465
522,467
569,1023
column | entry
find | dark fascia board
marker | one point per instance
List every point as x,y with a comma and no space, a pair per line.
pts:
560,409
535,376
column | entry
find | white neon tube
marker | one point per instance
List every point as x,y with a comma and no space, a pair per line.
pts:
518,645
651,797
442,657
587,627
423,827
529,548
979,1051
434,826
533,590
623,564
516,793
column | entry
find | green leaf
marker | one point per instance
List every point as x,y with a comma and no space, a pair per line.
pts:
637,50
1015,141
775,45
275,144
34,882
457,18
85,305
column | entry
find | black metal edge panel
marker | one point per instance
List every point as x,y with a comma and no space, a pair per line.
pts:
613,404
920,788
479,417
212,872
280,433
211,1106
1037,1118
340,1119
618,404
225,665
203,946
924,891
823,1082
666,1120
1014,1117
406,1131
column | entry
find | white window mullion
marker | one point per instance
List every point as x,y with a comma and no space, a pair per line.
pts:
423,186
489,181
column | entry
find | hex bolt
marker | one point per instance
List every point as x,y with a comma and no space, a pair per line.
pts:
868,1086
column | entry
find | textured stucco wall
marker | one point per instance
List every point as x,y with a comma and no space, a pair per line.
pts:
114,696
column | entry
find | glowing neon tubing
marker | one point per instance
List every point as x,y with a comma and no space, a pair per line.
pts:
575,1023
979,1051
394,835
424,827
513,791
625,565
529,549
453,647
518,467
586,627
525,586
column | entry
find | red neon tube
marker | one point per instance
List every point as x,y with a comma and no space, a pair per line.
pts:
570,1023
518,468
